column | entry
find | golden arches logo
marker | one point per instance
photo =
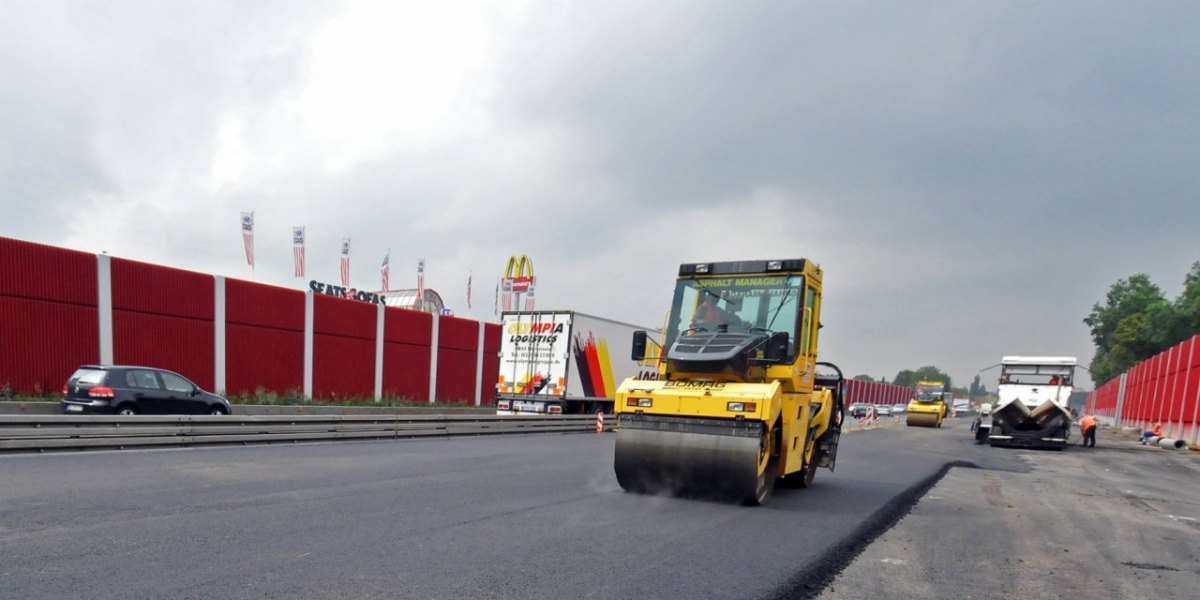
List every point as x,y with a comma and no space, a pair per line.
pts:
518,274
518,267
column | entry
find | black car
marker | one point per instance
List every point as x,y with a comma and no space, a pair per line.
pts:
126,390
858,411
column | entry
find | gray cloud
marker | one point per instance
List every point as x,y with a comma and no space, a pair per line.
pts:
972,176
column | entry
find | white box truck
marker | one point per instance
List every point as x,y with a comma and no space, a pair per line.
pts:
565,362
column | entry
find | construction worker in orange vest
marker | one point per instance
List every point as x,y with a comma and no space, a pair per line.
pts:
1088,426
1154,431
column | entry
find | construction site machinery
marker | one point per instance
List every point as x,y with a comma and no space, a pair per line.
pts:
929,404
558,362
740,399
1031,407
983,423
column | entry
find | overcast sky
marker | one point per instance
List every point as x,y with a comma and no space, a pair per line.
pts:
972,176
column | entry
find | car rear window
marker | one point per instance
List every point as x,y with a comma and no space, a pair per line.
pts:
88,376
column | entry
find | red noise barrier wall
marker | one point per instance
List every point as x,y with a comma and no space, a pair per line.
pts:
1164,388
163,317
343,343
264,338
48,319
406,335
458,344
872,392
60,309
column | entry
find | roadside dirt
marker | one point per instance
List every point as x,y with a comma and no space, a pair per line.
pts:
1109,522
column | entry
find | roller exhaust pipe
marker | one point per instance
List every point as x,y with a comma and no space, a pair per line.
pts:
1170,444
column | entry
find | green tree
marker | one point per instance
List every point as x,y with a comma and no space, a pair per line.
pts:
1135,323
977,388
927,373
1187,307
863,378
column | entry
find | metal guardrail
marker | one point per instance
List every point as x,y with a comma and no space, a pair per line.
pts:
40,433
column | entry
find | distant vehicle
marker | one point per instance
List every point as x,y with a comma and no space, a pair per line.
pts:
557,362
883,410
129,390
1031,409
859,410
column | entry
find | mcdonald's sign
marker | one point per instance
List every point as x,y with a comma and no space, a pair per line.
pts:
518,279
518,274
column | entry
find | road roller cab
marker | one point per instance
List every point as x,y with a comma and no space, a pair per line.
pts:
740,398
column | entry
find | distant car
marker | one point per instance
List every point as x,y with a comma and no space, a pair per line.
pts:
128,390
859,411
883,410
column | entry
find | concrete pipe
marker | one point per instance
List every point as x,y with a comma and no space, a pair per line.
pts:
1153,440
1169,444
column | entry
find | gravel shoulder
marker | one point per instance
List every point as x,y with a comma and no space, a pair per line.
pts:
1116,521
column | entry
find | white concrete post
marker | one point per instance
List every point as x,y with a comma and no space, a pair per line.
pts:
104,307
379,315
1196,404
219,335
1154,398
1171,404
433,357
1119,418
479,366
308,345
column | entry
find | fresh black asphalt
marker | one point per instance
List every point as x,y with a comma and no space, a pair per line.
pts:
536,516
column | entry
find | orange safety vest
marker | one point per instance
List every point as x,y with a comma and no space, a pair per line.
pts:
1156,429
1087,423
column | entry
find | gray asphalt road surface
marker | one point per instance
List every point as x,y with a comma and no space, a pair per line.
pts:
490,517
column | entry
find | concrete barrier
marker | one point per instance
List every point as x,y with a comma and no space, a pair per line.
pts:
40,433
54,408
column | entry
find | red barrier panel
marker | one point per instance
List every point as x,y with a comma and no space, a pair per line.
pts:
457,356
162,317
343,348
491,362
873,392
42,272
406,335
48,321
44,342
264,339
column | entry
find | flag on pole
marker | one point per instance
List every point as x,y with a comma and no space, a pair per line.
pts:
298,249
383,269
420,285
469,275
345,261
248,236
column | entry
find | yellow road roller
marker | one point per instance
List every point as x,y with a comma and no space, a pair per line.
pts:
928,406
740,400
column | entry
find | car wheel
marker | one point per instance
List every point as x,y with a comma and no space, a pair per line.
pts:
218,410
126,410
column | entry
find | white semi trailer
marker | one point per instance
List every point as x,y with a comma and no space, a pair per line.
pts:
565,362
1031,408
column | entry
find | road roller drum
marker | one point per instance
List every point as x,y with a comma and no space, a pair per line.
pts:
923,420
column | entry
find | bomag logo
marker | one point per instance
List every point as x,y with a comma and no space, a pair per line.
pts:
695,385
535,328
